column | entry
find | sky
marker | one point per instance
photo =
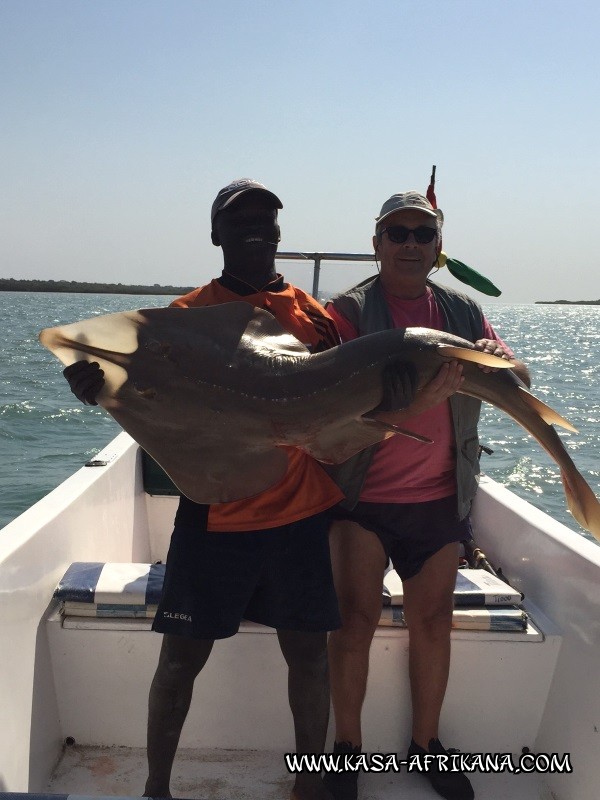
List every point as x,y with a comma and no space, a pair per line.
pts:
121,119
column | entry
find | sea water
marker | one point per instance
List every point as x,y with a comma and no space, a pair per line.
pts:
46,434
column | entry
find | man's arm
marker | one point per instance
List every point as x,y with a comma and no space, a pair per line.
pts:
442,386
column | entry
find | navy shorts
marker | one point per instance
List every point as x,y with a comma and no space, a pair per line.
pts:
410,532
280,577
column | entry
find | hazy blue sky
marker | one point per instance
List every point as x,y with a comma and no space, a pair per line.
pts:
121,119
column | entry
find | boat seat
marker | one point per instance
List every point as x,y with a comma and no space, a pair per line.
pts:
115,590
110,643
112,589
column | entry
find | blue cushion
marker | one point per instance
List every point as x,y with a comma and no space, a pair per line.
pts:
111,589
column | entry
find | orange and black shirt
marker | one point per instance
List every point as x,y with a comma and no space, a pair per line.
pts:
305,489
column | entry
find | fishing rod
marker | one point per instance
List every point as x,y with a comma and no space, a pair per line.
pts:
477,559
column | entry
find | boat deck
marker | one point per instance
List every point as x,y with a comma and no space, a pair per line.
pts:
89,655
248,775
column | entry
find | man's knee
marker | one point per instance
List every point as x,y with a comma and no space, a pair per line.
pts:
431,622
181,660
357,630
305,649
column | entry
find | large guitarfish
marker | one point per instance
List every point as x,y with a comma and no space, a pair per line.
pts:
214,393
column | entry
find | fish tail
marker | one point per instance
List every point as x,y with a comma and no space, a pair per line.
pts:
582,502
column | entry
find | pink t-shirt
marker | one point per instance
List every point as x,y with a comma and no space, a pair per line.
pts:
404,470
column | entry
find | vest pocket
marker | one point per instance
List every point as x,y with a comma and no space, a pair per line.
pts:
467,469
470,446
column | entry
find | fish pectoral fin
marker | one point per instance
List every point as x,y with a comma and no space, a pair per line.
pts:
478,356
549,415
113,337
234,473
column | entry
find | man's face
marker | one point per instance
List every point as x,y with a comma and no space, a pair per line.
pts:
408,263
248,231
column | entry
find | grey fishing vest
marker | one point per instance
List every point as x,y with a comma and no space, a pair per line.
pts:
365,308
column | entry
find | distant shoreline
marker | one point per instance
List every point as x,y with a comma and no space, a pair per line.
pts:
567,302
81,287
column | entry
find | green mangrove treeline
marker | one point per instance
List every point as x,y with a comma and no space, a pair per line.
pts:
568,302
16,285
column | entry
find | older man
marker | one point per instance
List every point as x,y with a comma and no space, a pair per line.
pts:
406,501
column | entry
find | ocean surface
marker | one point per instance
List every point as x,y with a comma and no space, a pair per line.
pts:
46,434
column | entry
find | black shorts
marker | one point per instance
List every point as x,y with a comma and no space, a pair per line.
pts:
279,577
410,532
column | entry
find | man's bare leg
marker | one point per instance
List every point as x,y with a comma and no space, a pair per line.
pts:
358,562
428,611
180,661
308,692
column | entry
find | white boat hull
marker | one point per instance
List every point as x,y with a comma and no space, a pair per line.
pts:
92,685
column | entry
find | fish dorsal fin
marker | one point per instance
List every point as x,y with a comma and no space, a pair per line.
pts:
548,414
269,333
479,357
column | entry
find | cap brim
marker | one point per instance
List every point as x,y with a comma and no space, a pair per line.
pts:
277,202
435,213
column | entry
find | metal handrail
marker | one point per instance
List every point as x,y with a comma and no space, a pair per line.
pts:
318,257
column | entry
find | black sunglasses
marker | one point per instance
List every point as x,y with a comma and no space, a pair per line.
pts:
399,234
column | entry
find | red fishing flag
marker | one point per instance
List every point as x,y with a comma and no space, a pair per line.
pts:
431,189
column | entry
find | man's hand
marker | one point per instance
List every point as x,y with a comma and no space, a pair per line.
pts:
85,379
492,347
518,367
445,383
